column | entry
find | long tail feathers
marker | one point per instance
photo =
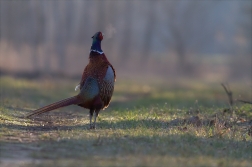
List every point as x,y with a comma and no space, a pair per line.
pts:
56,105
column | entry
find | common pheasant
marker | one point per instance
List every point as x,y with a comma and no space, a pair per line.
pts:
96,85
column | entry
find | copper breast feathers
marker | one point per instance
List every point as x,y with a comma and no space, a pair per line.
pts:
100,70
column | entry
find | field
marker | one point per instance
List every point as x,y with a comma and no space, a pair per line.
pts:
159,123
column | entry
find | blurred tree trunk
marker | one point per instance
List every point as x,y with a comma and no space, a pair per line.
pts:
4,8
79,14
100,15
61,34
112,22
49,34
126,42
36,31
247,25
150,28
180,48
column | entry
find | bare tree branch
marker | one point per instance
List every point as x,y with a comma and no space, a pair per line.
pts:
229,94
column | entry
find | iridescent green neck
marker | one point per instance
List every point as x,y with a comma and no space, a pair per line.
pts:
96,46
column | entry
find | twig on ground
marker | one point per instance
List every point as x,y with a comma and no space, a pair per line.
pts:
244,101
229,94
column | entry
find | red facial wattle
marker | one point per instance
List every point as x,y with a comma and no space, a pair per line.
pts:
100,36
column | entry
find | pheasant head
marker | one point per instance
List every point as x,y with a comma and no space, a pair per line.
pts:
96,45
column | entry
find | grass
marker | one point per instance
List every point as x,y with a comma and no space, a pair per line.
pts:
154,124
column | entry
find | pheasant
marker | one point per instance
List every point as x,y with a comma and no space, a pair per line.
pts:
96,85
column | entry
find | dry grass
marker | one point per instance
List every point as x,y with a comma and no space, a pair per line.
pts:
152,124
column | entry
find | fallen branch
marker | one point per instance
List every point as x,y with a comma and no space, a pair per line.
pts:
244,101
229,94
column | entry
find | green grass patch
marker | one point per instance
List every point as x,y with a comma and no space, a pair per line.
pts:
155,124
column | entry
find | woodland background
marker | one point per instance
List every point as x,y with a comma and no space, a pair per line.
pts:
210,40
168,106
